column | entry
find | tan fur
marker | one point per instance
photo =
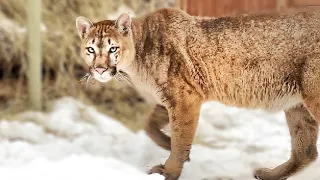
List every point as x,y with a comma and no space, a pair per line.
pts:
269,61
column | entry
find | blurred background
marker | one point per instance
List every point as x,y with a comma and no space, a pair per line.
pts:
62,66
70,111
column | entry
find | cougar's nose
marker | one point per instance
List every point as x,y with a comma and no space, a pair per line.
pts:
100,70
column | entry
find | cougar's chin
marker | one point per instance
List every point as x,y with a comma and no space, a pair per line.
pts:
104,77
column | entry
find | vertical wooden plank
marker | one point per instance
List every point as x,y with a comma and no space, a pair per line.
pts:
239,6
197,7
191,7
185,4
205,7
226,8
305,2
34,54
208,7
220,8
215,7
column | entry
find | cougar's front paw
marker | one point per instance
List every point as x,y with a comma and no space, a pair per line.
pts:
267,174
157,169
160,169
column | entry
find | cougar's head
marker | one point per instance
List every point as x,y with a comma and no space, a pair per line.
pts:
107,46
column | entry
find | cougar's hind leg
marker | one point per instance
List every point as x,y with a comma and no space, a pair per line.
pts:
156,121
304,132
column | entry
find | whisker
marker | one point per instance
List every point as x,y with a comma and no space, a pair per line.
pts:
88,80
122,78
84,77
125,77
116,78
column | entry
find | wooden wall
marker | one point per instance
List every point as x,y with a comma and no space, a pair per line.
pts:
230,7
298,3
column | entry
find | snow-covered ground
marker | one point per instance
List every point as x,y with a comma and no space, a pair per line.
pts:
74,141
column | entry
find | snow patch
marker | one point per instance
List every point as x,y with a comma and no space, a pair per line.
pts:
76,167
79,142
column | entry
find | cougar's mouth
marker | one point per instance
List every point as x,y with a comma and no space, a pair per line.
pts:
103,74
106,76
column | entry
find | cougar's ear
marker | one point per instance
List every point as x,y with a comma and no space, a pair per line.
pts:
83,25
123,23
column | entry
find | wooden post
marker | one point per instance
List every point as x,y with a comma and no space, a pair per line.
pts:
34,54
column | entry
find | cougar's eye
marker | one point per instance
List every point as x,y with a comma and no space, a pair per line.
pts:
113,49
90,50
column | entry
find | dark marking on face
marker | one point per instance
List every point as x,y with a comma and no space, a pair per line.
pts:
125,31
109,41
94,57
107,23
100,42
113,71
93,40
105,30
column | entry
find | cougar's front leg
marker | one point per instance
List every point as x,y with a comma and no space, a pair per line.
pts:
156,121
184,113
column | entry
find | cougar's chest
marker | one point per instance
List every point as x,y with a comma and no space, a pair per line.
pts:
147,89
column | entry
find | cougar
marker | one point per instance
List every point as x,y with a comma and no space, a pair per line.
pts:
267,61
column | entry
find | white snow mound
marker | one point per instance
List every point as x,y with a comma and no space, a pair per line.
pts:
75,141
